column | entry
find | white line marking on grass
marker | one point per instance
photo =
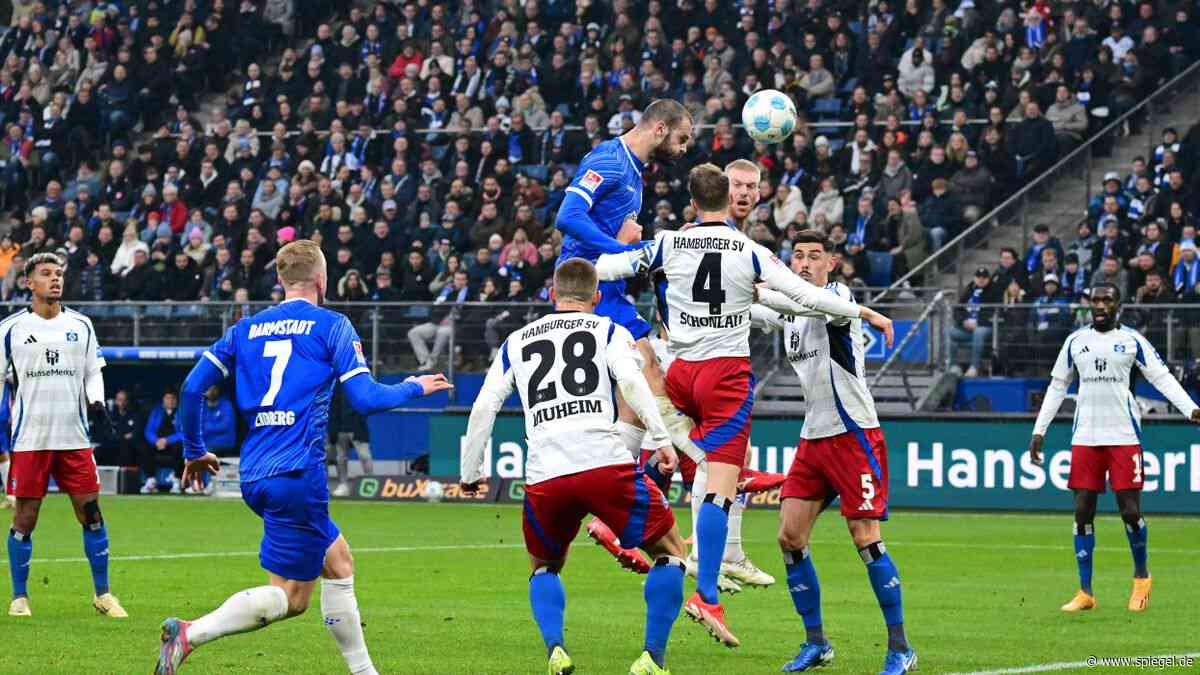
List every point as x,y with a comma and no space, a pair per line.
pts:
1078,665
246,554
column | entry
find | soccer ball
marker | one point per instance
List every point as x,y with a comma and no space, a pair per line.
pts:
769,116
434,491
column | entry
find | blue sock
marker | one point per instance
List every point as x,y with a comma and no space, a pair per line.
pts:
1085,545
549,602
712,526
806,593
95,545
1137,546
20,551
664,596
885,581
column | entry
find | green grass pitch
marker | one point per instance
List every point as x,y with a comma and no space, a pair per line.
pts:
443,590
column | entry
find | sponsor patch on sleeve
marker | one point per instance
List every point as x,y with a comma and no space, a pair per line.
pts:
591,180
358,352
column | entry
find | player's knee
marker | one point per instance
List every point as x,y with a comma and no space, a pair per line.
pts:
864,532
297,603
92,518
1131,513
546,567
792,539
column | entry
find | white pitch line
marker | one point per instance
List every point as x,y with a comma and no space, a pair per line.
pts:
1072,665
246,554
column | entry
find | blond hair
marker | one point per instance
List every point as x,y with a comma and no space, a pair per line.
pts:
575,280
299,261
743,165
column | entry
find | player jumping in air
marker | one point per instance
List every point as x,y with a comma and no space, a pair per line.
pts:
598,216
841,453
284,361
711,271
55,364
564,367
1107,432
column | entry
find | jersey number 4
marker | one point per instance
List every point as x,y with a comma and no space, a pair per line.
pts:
707,285
281,351
580,376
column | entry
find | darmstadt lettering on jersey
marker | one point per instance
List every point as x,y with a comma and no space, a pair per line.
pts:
275,418
709,243
567,409
722,321
558,324
281,327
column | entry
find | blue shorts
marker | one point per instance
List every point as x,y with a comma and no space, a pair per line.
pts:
297,529
615,306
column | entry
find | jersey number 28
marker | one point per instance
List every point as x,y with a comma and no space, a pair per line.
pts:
580,376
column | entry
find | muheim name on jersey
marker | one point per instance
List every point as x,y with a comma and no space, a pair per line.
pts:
281,327
584,406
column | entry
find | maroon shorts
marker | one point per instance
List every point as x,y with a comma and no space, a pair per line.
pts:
852,465
718,395
1122,463
74,471
620,495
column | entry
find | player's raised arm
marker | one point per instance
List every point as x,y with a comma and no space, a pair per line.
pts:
1060,380
1156,372
766,318
621,354
780,278
644,258
496,388
781,304
366,395
574,216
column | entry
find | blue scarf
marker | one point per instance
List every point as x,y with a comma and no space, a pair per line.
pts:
1186,277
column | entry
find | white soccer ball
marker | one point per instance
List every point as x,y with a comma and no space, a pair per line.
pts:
769,116
434,491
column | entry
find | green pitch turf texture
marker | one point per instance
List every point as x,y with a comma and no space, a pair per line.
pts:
442,589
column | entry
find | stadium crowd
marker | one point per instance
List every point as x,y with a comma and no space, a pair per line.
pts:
427,145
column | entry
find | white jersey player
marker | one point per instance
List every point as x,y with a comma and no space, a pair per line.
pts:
566,368
841,453
711,272
55,364
1107,432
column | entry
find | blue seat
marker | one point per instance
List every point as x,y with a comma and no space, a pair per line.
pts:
880,274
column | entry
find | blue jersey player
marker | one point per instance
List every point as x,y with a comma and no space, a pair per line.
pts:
598,216
284,362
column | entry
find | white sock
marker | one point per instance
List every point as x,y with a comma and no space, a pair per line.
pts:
699,486
340,609
631,435
244,611
733,541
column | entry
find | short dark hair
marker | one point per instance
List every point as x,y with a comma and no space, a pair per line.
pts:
709,187
666,110
813,237
42,259
1116,292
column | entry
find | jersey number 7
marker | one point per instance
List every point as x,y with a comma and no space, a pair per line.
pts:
281,351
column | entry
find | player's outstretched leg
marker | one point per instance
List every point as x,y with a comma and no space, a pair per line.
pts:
1130,503
1085,546
712,527
885,581
339,608
95,547
628,557
549,603
664,596
796,518
244,611
725,584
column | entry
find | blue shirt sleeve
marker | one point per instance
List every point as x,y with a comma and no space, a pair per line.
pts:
346,350
188,422
223,353
574,218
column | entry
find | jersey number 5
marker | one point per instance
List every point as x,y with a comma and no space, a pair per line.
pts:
281,351
707,285
580,376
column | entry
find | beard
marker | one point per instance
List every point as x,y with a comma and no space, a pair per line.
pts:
664,156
